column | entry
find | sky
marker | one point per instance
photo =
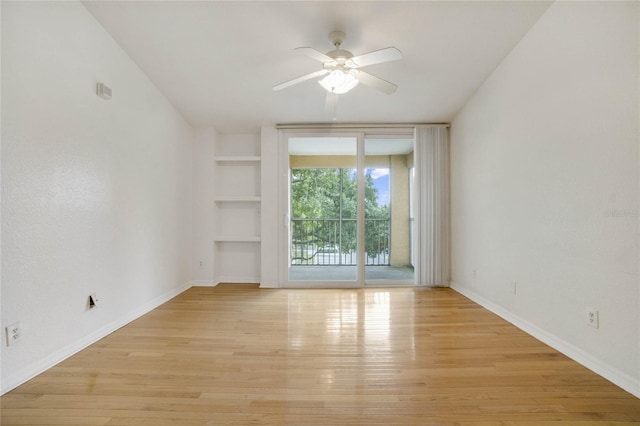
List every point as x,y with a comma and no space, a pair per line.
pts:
381,182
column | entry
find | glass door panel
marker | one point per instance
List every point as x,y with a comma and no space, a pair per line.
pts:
323,209
388,214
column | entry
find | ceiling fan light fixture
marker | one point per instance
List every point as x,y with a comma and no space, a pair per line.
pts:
341,71
340,81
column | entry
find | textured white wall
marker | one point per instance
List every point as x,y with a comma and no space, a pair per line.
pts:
203,205
270,214
544,174
96,194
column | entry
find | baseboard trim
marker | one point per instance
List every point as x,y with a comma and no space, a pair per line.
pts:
203,283
605,370
237,280
26,374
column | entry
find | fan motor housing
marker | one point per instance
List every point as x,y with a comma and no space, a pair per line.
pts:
340,55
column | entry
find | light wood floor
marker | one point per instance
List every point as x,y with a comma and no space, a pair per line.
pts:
235,354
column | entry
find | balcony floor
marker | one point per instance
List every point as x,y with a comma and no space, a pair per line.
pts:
348,273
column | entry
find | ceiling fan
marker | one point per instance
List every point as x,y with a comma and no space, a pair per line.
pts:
342,70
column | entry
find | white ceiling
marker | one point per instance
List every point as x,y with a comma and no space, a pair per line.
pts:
217,61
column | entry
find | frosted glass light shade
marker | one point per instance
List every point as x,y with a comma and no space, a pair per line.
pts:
339,82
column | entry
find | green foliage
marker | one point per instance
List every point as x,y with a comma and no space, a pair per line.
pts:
330,197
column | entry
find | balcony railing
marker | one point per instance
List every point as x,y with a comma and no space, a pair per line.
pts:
332,242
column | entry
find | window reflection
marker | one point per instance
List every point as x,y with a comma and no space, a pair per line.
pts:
334,326
377,320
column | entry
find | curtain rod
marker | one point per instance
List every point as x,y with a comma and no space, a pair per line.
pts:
355,125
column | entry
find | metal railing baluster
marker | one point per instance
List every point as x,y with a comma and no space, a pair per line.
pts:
326,241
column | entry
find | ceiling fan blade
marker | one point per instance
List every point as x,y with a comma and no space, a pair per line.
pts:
299,80
313,53
377,56
376,82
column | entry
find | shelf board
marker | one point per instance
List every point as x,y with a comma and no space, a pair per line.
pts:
236,239
238,159
236,199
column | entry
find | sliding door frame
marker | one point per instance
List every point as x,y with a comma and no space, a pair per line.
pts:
284,194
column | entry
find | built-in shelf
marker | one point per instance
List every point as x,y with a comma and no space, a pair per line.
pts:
238,239
238,199
237,204
238,159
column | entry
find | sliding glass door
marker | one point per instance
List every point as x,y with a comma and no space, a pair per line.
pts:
349,210
388,210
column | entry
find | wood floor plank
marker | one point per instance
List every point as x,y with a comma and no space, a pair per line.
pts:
235,354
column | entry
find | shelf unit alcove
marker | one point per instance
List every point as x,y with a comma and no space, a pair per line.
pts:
237,209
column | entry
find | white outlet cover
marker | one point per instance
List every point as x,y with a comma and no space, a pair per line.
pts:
14,333
593,318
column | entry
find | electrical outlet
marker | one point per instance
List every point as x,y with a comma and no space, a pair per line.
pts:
93,301
14,333
201,264
475,273
593,318
515,287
